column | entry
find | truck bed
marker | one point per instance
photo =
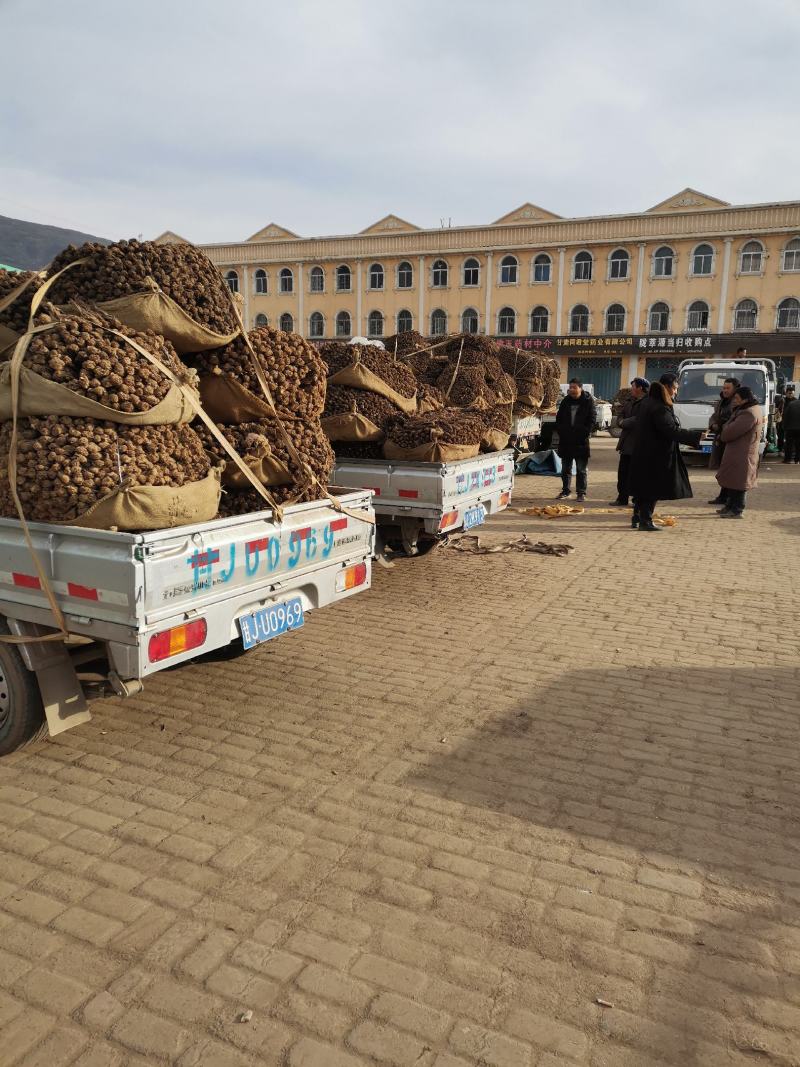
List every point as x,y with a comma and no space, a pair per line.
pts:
438,494
120,588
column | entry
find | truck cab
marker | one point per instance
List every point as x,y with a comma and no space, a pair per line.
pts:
700,383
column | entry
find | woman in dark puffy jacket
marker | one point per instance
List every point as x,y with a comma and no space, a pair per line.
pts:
657,468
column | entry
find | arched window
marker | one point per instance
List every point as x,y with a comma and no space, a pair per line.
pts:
615,318
261,281
261,320
287,322
579,319
376,276
343,328
404,322
663,262
582,267
438,322
507,322
472,272
618,263
317,280
508,270
658,319
405,275
316,325
697,319
791,255
439,274
540,320
752,259
702,259
287,280
232,281
470,321
343,279
541,268
789,314
375,324
745,315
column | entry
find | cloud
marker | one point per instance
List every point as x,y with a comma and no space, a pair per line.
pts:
213,120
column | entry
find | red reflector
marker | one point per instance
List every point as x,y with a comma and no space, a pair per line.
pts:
410,493
27,581
501,468
448,520
178,639
82,591
371,489
359,574
339,524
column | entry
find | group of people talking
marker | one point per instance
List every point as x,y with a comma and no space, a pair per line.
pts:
651,467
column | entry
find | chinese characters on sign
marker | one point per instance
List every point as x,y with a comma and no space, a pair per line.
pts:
610,345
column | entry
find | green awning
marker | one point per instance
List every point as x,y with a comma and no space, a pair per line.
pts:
7,266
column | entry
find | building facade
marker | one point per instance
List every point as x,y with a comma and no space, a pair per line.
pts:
609,296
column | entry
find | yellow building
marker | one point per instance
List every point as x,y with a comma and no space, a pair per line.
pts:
610,296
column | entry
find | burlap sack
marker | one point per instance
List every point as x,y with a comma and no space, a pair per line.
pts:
227,401
154,507
351,427
7,337
152,310
265,466
357,376
530,392
430,452
493,440
40,396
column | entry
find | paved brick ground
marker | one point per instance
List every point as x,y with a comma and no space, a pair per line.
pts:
508,811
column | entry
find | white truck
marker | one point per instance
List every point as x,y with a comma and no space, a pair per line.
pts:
700,382
135,603
526,432
416,504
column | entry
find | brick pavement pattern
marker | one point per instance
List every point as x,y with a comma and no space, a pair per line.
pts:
510,811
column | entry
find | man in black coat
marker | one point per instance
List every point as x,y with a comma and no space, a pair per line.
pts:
576,420
657,468
791,429
627,420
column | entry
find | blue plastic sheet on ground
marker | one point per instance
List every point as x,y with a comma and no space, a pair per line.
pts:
547,463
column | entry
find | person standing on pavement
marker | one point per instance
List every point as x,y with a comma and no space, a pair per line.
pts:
657,468
791,428
576,420
779,420
723,409
627,420
741,435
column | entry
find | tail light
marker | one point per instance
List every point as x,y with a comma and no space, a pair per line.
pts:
351,577
505,499
178,639
448,520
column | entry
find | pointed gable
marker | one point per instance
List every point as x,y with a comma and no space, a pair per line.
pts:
390,224
272,232
687,198
170,238
526,213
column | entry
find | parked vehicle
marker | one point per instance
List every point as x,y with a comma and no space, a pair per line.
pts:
418,503
699,385
135,603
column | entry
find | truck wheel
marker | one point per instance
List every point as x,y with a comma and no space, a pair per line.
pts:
21,712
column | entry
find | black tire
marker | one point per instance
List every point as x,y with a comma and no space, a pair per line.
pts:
21,712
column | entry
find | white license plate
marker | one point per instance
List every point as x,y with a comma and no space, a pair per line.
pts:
474,516
271,622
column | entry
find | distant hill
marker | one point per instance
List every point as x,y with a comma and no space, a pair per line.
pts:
31,245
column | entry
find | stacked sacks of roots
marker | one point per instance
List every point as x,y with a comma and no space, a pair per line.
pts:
436,437
105,474
172,289
284,446
15,310
293,369
474,375
404,344
622,397
536,379
102,437
280,451
367,387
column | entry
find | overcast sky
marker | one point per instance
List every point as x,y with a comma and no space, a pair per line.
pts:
212,119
